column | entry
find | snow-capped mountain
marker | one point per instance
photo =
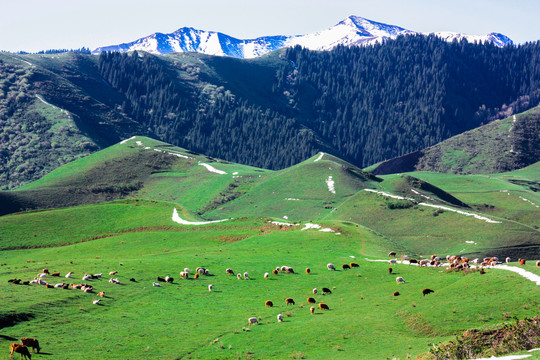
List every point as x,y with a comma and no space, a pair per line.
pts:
353,31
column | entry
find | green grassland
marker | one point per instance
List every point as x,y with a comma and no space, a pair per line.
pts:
113,211
185,320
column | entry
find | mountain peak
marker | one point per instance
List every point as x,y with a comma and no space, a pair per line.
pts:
352,31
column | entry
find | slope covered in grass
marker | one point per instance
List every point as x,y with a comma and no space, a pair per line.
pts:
502,145
185,320
308,190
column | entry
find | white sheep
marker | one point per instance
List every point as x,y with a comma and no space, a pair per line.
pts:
246,276
206,272
68,275
210,287
315,291
279,318
42,275
186,270
86,277
98,275
284,268
508,260
278,268
156,284
399,279
252,320
392,261
167,278
266,275
59,285
96,302
331,266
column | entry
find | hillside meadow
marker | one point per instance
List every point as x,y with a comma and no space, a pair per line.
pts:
185,320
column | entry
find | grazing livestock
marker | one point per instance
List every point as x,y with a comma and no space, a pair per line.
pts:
331,266
399,280
275,272
326,291
266,275
239,276
196,276
507,260
169,279
427,291
392,261
323,306
96,302
68,275
482,272
289,301
392,253
353,264
315,291
59,285
42,275
538,263
279,317
66,286
396,293
522,262
49,286
112,273
162,279
21,349
206,272
187,270
200,271
86,277
283,268
246,276
155,284
31,343
46,271
424,262
268,303
310,300
101,294
229,271
252,320
413,261
312,310
390,271
27,282
184,275
289,270
55,274
308,270
346,267
114,281
132,280
210,287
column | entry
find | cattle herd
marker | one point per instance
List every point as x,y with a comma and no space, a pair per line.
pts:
456,263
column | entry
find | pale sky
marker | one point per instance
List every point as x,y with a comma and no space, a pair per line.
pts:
33,25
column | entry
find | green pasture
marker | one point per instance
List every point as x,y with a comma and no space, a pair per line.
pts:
184,320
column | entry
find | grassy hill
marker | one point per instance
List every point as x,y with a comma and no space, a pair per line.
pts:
113,211
502,145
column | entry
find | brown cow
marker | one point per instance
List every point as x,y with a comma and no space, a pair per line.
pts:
21,349
289,301
396,293
427,291
308,270
268,303
522,262
31,343
323,306
353,264
275,272
310,300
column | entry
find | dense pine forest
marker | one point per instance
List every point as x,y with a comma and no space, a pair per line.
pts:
362,104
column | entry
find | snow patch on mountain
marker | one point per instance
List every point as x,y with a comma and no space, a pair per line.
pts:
353,31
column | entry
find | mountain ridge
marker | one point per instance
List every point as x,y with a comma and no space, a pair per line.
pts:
352,31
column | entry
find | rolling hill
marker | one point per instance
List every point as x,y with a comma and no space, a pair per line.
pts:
503,145
142,208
